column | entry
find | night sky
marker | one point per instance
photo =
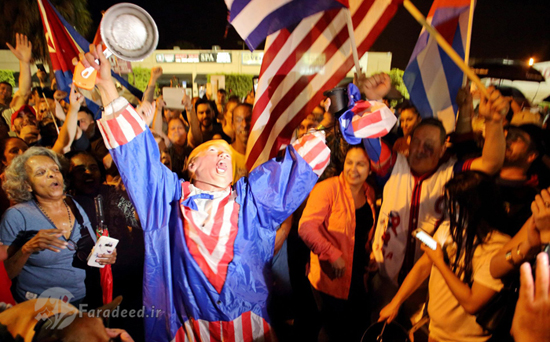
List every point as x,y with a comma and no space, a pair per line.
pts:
514,29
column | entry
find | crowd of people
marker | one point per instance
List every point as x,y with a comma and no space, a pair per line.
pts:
316,245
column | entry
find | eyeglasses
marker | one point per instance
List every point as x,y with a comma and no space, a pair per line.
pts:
71,245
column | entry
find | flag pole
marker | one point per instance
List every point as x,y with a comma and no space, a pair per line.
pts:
445,46
349,23
469,36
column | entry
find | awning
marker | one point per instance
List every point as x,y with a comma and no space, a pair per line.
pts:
164,80
201,79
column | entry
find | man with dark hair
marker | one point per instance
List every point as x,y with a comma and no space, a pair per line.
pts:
97,146
221,100
242,115
414,192
517,187
6,92
210,128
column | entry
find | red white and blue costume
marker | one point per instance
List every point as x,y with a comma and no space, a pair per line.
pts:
208,254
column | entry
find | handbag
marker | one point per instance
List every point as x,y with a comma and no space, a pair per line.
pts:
498,314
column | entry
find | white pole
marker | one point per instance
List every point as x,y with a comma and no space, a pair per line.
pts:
352,41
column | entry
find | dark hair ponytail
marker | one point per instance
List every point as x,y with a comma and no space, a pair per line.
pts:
475,210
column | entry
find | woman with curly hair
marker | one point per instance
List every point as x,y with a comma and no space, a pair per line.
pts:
48,234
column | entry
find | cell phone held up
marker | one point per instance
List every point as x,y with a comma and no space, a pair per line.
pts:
104,245
425,238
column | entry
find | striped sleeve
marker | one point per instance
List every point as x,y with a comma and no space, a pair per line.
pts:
121,129
463,165
312,148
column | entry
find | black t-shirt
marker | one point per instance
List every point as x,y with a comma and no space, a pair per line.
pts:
517,197
363,224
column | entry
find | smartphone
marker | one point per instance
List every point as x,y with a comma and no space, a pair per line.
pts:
425,238
104,245
173,97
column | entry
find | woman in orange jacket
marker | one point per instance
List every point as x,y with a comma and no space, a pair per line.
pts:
337,225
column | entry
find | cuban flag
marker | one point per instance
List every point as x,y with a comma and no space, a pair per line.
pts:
254,20
432,78
64,44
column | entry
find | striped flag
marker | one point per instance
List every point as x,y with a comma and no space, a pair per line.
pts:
254,20
299,65
432,78
64,43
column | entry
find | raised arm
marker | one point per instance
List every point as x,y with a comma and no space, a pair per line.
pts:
150,185
70,130
527,242
23,52
149,94
194,138
280,186
367,121
493,109
465,111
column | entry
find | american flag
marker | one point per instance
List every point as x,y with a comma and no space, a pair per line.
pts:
300,64
254,20
432,78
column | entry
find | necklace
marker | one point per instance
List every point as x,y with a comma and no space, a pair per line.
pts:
49,218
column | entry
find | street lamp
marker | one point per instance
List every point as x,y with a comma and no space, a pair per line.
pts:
531,61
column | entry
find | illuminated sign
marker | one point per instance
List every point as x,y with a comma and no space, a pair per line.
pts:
203,57
215,57
252,58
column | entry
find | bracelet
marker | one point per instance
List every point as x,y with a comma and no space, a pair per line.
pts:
518,252
509,258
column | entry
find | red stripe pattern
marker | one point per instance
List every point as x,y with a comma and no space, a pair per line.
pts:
248,327
210,232
372,119
298,66
121,129
313,149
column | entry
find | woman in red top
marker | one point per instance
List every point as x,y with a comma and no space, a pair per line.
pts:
337,225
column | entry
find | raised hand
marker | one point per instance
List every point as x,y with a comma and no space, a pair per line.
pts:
375,87
147,110
23,48
75,98
156,72
495,107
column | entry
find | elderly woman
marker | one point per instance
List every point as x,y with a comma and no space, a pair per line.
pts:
337,225
48,234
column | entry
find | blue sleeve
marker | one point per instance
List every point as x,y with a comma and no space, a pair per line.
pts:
151,186
278,187
12,223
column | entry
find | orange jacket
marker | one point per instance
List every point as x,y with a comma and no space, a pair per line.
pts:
327,227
